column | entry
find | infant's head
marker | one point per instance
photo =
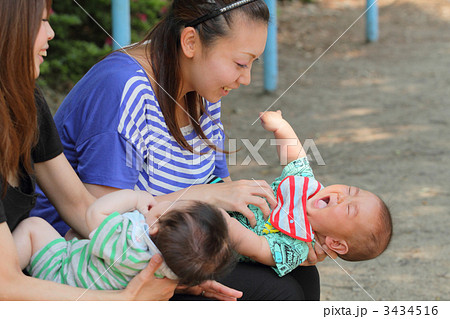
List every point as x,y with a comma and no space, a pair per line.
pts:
353,222
193,239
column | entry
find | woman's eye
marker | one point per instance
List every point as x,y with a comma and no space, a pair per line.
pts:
241,65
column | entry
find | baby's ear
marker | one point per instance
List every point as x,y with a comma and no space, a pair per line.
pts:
153,230
339,246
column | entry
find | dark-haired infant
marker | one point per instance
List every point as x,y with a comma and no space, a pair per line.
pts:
127,228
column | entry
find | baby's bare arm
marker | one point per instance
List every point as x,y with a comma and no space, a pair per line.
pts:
247,243
289,147
121,201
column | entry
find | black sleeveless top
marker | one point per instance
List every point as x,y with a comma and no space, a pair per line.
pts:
18,201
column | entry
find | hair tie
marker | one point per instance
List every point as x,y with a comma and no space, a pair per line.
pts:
218,12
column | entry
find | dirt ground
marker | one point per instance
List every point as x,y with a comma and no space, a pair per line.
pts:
379,115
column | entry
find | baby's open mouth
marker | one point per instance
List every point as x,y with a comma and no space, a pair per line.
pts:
323,202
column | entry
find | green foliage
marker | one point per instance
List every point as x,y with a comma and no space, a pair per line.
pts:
80,42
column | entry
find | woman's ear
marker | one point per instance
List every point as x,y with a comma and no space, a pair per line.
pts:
339,246
189,41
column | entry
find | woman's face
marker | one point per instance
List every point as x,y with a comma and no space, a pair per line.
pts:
227,63
44,35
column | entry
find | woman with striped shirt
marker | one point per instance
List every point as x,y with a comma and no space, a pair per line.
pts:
148,117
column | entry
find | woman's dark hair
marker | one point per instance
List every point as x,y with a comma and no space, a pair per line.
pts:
19,24
163,48
195,243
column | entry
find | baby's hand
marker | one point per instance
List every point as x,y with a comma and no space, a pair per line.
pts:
145,201
271,121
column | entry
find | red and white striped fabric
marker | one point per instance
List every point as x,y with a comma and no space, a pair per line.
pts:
289,216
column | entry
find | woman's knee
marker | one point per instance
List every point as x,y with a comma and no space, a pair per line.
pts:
309,279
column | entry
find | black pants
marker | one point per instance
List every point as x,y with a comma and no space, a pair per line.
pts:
259,282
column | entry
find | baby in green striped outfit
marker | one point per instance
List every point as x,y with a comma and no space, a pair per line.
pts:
127,228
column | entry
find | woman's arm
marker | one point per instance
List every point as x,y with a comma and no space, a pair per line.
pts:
16,286
231,196
66,192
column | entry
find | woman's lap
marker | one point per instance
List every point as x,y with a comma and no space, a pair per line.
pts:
259,282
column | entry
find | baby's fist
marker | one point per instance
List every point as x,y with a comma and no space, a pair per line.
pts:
145,201
271,121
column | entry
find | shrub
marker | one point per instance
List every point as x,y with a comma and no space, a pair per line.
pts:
80,43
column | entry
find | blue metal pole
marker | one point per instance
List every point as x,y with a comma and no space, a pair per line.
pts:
270,52
372,21
121,29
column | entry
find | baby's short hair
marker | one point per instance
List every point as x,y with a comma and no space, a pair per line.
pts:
368,245
195,243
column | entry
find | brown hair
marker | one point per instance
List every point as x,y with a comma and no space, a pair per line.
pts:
20,21
164,57
195,243
371,244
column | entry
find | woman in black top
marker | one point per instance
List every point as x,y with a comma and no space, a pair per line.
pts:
30,151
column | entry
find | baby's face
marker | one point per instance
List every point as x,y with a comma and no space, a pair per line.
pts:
341,210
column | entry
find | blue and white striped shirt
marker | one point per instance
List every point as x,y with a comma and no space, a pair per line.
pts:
114,134
164,166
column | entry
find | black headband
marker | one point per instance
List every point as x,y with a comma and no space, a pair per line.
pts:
218,12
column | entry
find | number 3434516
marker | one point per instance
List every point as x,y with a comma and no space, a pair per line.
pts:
411,311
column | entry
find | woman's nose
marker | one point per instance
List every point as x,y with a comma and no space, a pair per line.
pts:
50,32
245,78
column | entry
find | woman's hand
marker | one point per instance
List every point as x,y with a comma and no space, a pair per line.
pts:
145,286
231,196
318,254
212,289
237,195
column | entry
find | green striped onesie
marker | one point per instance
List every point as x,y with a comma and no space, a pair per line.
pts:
117,251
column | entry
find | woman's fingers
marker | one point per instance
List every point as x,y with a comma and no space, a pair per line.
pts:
261,203
323,251
317,254
259,194
244,210
237,195
145,286
263,189
312,257
213,289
